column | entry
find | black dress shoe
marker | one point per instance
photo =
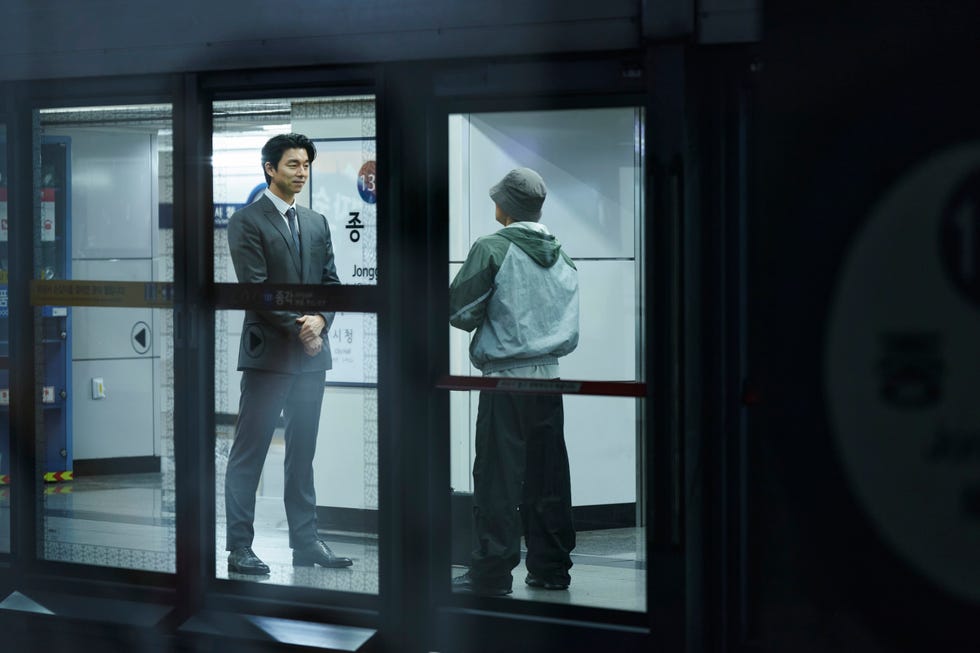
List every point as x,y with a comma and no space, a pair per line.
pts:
466,584
546,583
244,561
318,553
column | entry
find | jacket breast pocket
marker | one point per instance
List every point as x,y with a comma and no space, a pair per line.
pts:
318,246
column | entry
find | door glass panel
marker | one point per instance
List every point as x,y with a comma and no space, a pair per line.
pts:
104,252
591,162
344,465
341,184
266,502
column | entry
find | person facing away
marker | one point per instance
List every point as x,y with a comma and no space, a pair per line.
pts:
518,292
282,357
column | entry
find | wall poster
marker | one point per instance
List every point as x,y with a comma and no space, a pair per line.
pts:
343,187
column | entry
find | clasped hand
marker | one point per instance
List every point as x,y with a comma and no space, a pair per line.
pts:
311,326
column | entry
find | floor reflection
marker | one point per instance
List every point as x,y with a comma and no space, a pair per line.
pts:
111,521
607,572
120,521
271,545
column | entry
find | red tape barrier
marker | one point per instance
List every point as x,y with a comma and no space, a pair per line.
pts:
544,386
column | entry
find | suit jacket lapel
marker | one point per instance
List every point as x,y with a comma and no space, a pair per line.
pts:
279,223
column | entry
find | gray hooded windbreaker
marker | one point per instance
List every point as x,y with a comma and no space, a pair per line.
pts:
519,290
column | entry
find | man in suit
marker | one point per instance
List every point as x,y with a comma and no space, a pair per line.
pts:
282,357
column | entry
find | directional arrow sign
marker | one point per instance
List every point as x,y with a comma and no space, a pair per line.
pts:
140,337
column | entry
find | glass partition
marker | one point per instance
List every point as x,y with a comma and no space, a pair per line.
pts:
341,183
591,164
4,355
296,475
345,466
104,335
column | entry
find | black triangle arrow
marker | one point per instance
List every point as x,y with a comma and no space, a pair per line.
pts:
141,337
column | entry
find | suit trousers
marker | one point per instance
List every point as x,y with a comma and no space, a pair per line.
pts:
299,398
521,485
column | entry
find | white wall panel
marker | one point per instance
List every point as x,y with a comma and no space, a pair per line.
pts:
600,435
580,154
607,323
459,177
122,424
462,429
108,332
114,201
115,235
339,465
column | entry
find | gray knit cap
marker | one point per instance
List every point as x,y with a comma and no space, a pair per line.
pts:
520,194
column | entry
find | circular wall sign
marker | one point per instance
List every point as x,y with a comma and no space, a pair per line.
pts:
367,182
902,371
139,337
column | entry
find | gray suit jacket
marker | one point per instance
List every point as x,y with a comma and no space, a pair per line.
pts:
261,251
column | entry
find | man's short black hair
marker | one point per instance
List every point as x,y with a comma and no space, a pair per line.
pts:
273,149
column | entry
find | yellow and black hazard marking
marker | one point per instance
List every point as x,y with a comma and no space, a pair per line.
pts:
49,477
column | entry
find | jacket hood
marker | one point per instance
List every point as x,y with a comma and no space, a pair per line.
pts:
542,247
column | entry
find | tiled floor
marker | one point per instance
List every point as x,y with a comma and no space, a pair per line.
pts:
120,521
112,521
271,545
593,585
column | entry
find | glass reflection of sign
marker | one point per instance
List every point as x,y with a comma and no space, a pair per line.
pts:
343,187
354,226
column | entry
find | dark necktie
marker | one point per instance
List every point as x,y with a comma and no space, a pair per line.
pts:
291,218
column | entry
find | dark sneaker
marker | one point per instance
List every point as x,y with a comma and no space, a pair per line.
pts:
465,584
545,583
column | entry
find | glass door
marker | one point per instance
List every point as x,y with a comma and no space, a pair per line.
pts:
103,335
4,353
296,476
547,357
